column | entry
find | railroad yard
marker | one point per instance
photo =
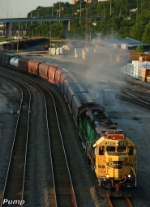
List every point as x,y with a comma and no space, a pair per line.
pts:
131,117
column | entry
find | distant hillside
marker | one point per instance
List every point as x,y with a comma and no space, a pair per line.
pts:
124,18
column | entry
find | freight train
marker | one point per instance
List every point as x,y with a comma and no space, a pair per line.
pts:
24,43
110,152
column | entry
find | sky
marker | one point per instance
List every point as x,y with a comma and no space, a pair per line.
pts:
20,8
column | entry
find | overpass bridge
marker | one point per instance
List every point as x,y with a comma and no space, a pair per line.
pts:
66,22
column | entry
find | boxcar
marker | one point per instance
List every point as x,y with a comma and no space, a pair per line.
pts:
73,89
67,82
80,102
58,74
63,77
43,70
51,73
33,67
23,65
75,80
5,59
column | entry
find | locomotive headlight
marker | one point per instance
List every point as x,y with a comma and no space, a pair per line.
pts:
116,142
129,176
107,175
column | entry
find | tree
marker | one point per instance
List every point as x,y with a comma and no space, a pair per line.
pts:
121,21
136,31
146,36
140,49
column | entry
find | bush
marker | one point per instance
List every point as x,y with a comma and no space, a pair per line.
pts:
140,49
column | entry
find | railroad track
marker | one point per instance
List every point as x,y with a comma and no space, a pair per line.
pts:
134,97
14,96
132,100
14,180
59,176
136,83
119,202
138,93
63,191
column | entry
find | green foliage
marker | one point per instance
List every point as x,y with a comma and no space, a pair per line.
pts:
118,19
3,39
140,49
146,34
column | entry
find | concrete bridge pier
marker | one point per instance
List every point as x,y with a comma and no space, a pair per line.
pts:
66,28
4,29
8,29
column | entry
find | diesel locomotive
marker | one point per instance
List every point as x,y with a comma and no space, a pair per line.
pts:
110,152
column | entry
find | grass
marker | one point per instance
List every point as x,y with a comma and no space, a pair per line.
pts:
4,39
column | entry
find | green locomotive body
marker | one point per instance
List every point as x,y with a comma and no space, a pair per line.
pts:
111,153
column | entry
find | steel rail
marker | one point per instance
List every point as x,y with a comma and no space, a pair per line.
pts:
11,160
51,145
109,201
128,201
24,174
70,178
10,157
47,93
10,96
133,101
139,95
26,148
136,82
50,154
119,202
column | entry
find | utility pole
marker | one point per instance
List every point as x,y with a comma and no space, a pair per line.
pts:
18,43
59,9
80,11
50,39
110,7
137,6
87,25
141,6
52,10
137,10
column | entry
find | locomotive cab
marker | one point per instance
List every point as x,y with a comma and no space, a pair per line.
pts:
115,164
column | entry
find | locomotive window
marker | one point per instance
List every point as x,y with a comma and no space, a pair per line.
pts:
101,150
110,149
130,150
121,149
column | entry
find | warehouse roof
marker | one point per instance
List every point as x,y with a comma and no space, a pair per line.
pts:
128,41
